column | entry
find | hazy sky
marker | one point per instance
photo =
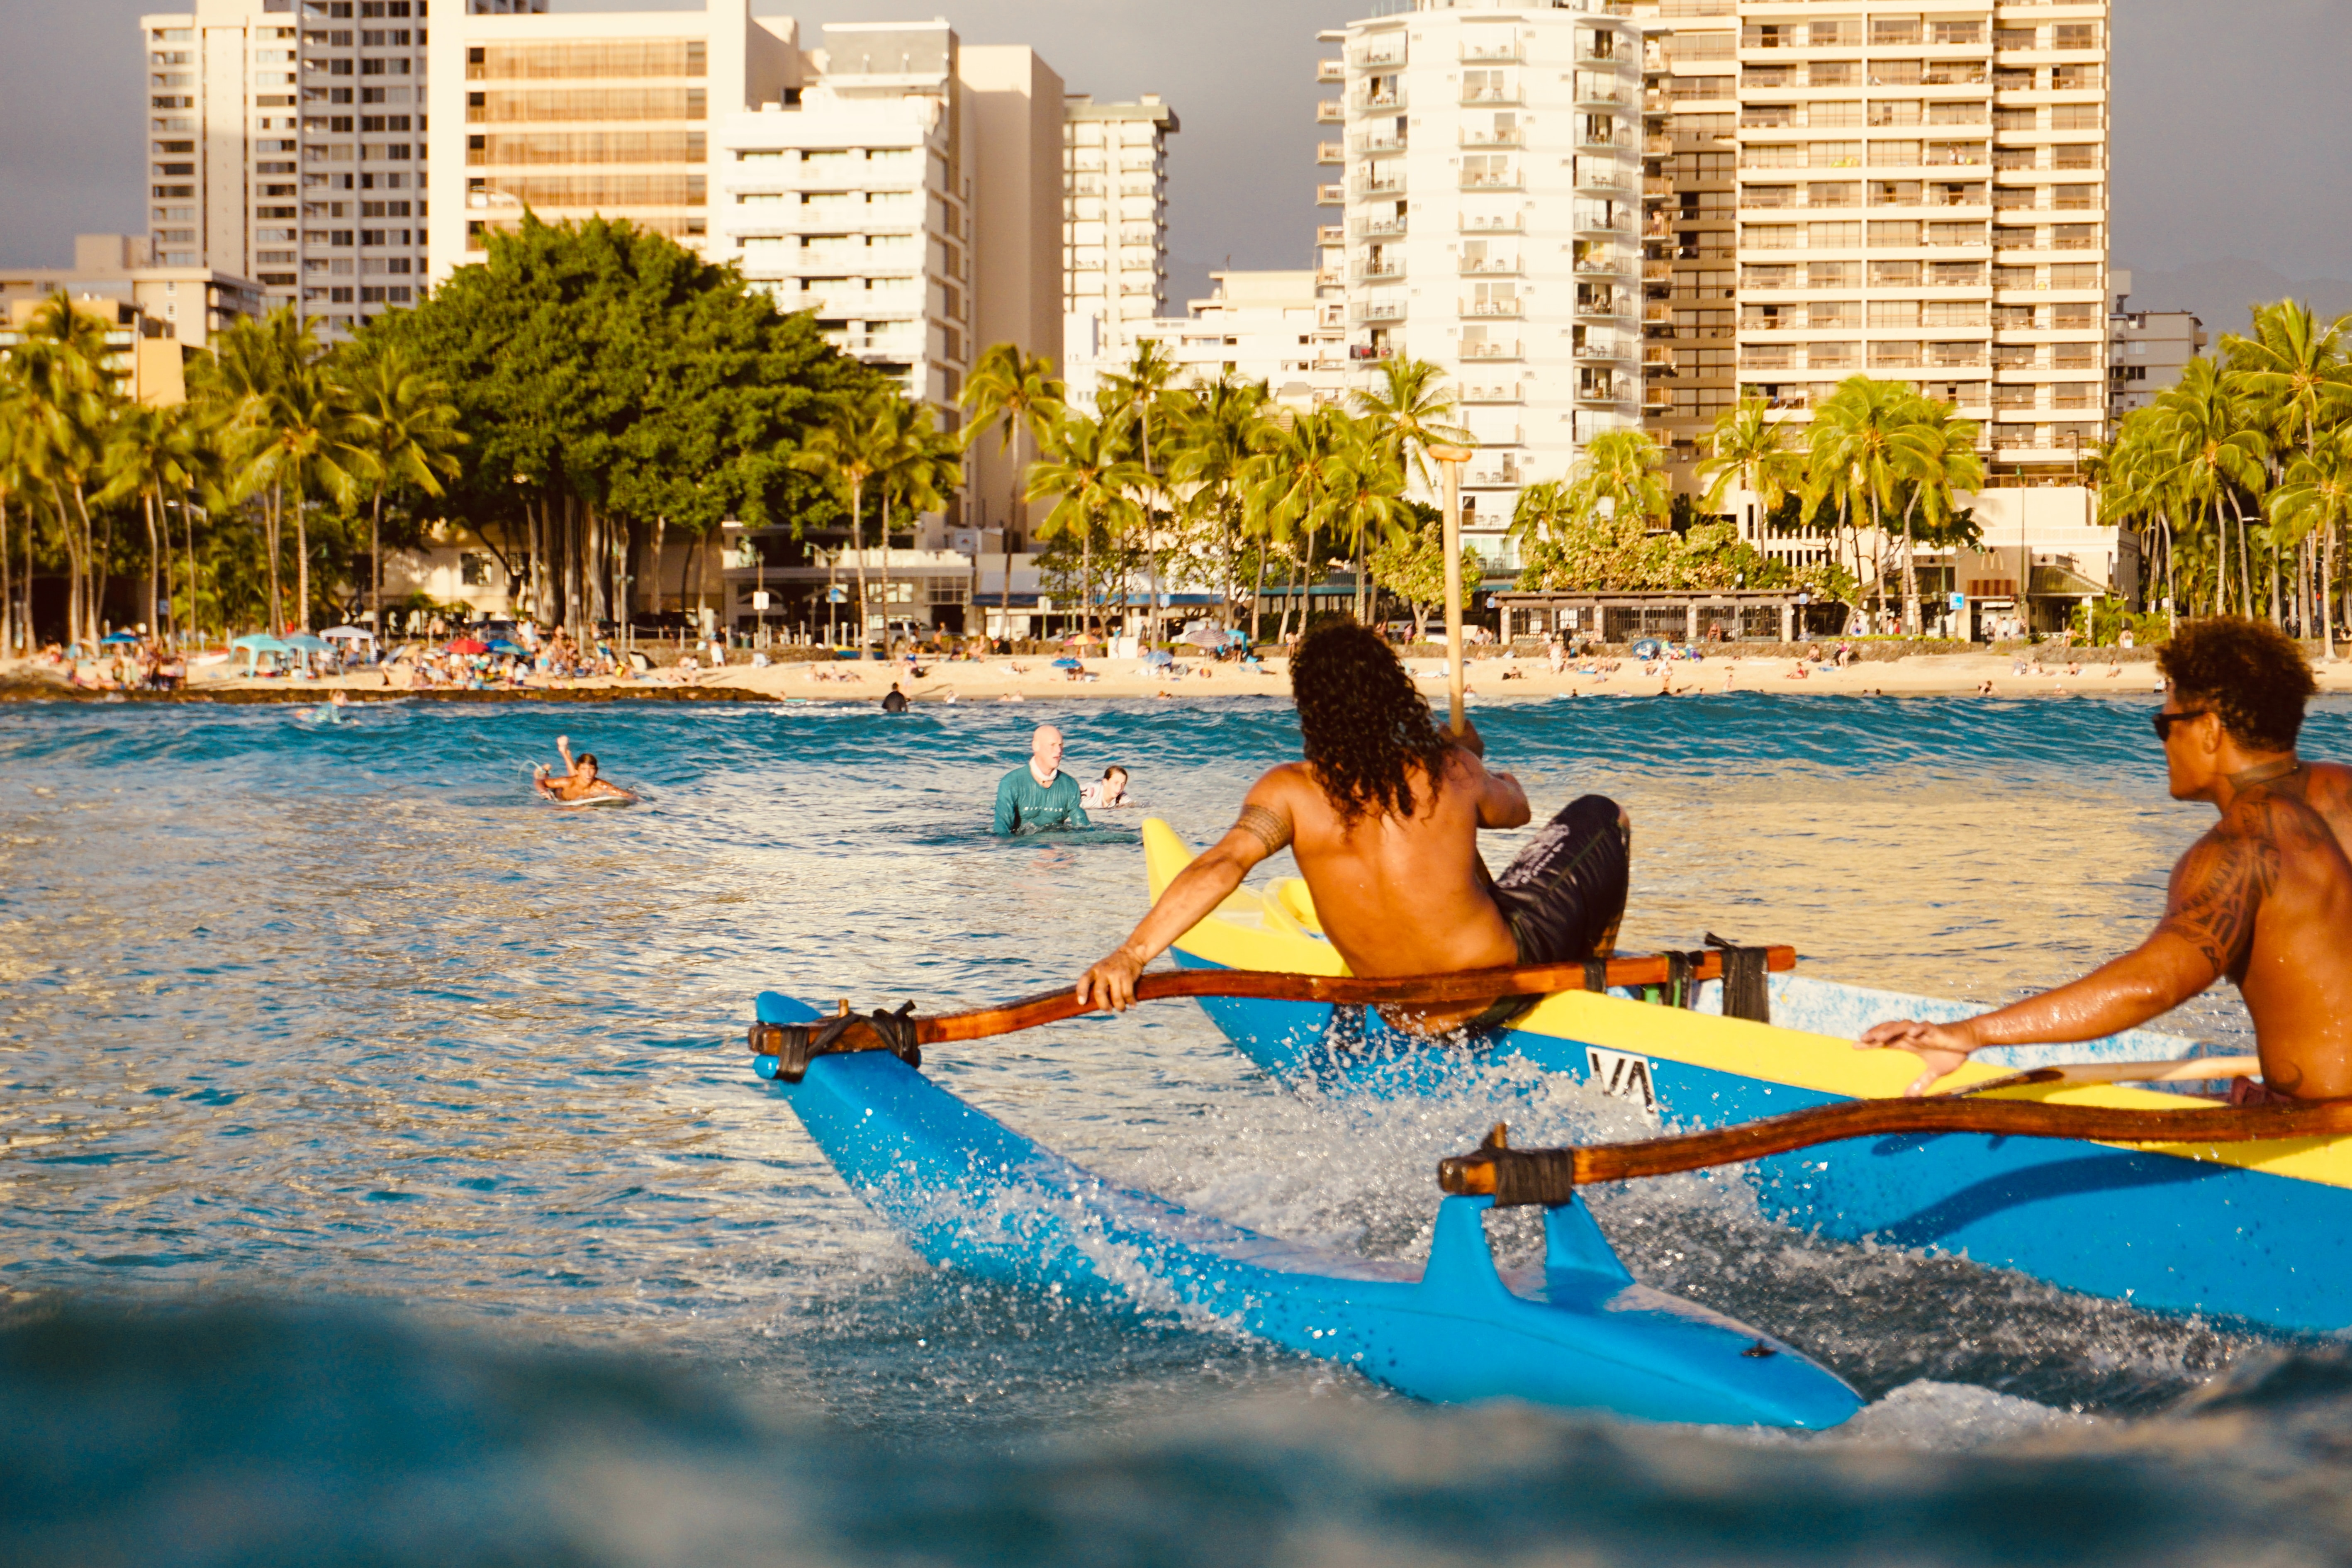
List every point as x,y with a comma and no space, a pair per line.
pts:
2230,124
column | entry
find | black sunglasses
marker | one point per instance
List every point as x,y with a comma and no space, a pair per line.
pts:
2163,722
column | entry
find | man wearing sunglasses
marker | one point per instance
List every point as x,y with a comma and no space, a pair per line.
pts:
2263,898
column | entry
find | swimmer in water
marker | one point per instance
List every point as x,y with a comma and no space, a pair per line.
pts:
1110,792
579,781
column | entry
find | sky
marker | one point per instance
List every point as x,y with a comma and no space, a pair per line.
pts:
2231,126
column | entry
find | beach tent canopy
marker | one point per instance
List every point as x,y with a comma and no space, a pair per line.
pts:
261,642
348,634
306,643
116,638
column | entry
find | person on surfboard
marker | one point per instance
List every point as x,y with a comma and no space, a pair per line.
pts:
579,781
2264,898
1384,816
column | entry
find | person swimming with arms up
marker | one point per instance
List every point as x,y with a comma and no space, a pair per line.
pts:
2263,899
578,784
1383,815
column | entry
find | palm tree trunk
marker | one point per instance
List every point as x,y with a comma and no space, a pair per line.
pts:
2327,593
375,564
154,561
1086,578
857,547
302,562
1257,594
885,571
273,516
7,587
1911,626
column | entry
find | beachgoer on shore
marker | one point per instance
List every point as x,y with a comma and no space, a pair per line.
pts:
1383,815
1037,794
2262,899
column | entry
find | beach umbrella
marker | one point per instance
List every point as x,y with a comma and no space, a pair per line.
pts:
1067,664
465,645
116,637
1648,647
1204,636
348,634
1158,655
503,647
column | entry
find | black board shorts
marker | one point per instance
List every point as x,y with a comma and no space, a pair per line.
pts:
1564,893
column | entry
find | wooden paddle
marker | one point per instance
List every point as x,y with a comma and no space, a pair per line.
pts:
1517,1176
905,1031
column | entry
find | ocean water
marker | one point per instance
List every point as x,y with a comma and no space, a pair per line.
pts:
384,1181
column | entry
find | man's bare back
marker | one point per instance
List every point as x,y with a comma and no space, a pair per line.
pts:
1398,882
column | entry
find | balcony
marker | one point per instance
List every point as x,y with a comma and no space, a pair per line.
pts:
1388,182
1603,351
1596,220
1474,223
1387,98
1593,305
1602,388
1330,152
1602,264
1501,474
1381,142
1603,90
1380,227
1331,195
1486,136
1592,140
1327,112
1386,55
1378,271
1490,349
1512,308
1593,176
1493,392
1475,94
1378,309
1330,234
1488,53
1599,50
1492,180
1330,70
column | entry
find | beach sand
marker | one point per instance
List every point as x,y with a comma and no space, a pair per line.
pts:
1034,679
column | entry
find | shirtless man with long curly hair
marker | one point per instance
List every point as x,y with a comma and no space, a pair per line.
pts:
1384,816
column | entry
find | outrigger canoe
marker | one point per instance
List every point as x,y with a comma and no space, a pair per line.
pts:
2260,1231
973,1194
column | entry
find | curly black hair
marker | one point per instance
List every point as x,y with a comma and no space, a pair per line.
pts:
1363,724
2248,672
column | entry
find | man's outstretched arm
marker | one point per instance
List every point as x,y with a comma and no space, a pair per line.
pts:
1263,829
2208,924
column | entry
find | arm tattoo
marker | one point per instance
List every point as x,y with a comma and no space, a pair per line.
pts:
1271,828
2217,893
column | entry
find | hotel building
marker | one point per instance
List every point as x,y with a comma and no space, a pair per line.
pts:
1114,220
286,144
1491,208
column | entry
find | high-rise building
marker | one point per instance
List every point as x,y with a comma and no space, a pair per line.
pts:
1257,326
1115,210
1492,200
187,303
1923,198
2147,349
1690,105
285,143
582,113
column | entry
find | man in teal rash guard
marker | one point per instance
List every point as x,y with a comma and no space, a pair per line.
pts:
1038,794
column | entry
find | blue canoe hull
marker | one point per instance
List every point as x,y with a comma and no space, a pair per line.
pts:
2157,1230
970,1193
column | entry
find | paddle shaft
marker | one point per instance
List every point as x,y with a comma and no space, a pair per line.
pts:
1465,985
1519,1177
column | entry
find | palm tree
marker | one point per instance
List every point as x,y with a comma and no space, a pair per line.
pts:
291,431
1017,392
1852,454
860,440
1136,394
1749,449
1624,468
2298,367
1935,455
1414,410
1363,495
1216,434
404,428
2214,446
2137,486
2316,497
61,362
1087,466
921,467
1286,482
150,453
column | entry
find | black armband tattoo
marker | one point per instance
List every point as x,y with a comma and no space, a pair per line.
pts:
1271,828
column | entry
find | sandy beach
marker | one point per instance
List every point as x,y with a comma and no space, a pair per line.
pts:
1034,678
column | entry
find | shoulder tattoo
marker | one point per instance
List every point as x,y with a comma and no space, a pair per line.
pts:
2217,896
1271,828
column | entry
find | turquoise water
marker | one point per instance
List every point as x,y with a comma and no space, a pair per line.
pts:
381,1172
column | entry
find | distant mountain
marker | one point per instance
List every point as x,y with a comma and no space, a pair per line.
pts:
2223,293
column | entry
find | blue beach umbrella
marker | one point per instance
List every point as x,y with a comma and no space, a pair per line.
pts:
1067,664
116,637
503,647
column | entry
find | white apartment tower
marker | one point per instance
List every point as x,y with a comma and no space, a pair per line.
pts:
1492,209
286,143
1921,195
1115,212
